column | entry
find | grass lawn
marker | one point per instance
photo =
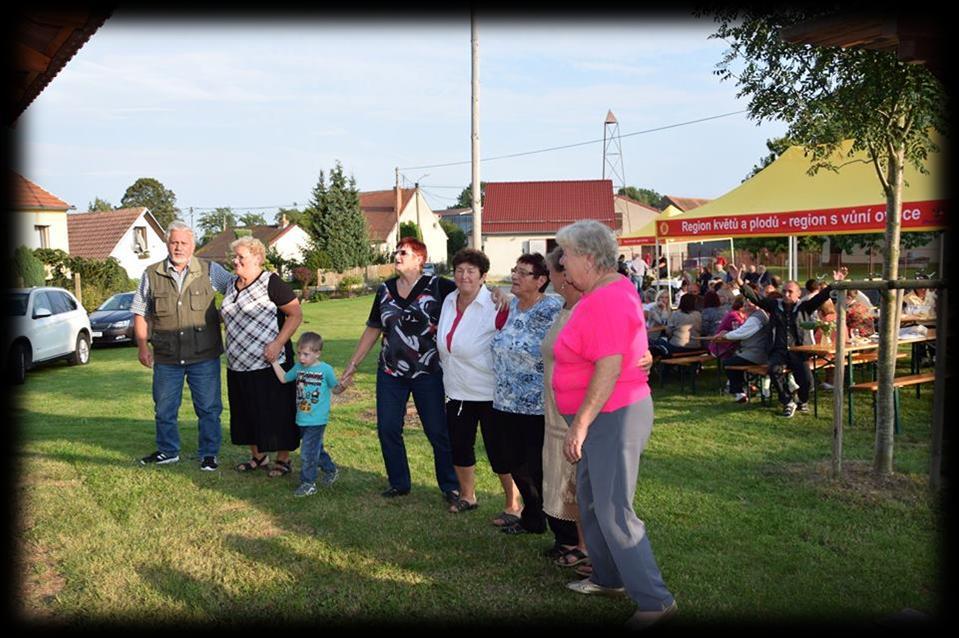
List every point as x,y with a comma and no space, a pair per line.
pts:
744,522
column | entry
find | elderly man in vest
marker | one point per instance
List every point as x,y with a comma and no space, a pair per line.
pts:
175,312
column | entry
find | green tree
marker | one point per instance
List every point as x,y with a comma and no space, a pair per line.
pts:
466,196
455,239
293,216
214,222
99,206
777,146
335,222
826,95
149,192
410,229
27,269
252,219
642,195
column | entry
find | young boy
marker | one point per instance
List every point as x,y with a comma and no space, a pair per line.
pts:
314,381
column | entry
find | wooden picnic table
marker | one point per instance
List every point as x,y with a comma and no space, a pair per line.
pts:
828,354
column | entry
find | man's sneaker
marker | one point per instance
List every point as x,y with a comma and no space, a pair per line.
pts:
803,407
209,464
305,489
789,410
330,477
741,397
159,458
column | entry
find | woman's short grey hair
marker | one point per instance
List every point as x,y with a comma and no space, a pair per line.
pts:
591,238
254,245
178,224
552,259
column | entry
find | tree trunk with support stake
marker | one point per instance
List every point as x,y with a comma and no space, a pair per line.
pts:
888,313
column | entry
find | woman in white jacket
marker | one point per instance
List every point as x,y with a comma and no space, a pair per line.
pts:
467,323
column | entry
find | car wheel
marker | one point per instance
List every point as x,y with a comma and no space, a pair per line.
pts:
17,364
81,355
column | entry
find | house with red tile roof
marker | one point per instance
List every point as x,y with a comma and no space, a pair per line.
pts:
290,241
379,208
682,203
132,236
523,217
39,217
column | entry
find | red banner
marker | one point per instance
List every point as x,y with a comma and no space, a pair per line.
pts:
926,216
636,241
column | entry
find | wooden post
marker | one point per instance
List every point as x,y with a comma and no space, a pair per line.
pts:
939,389
838,384
77,288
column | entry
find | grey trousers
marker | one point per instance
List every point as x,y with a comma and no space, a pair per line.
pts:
605,487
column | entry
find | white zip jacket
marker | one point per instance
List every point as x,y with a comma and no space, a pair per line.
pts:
468,368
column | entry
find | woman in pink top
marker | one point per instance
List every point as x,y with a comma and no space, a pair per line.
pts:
605,398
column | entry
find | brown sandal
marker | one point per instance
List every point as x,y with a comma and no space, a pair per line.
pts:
253,464
280,468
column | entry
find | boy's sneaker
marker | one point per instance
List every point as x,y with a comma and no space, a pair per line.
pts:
159,458
803,407
330,477
305,489
741,397
209,464
789,410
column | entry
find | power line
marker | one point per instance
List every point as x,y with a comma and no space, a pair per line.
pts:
558,148
232,208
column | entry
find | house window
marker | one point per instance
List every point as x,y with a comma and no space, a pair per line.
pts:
139,239
44,233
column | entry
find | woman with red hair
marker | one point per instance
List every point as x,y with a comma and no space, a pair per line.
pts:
404,316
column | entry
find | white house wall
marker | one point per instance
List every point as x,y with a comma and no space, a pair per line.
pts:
26,234
292,244
503,251
634,216
433,234
124,251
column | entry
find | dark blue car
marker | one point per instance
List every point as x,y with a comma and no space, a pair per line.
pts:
112,322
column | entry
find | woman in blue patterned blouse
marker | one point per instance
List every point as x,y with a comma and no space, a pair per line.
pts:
517,435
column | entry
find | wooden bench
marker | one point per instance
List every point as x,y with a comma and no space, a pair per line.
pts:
683,360
753,372
898,382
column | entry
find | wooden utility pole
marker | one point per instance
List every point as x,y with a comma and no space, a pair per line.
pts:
475,145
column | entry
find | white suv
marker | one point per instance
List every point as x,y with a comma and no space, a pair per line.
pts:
44,324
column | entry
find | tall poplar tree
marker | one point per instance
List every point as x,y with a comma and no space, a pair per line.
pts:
335,222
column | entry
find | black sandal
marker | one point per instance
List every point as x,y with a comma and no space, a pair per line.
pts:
572,558
280,468
253,464
462,505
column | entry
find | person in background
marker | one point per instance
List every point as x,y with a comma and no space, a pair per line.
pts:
712,314
750,276
682,330
784,315
730,321
315,381
663,268
604,397
658,314
763,278
403,318
638,270
705,276
753,341
859,319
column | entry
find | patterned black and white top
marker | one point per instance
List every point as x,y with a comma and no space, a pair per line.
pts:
409,325
253,319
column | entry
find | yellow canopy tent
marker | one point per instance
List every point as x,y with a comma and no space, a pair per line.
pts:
783,199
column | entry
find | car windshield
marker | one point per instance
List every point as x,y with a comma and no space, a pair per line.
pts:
17,304
118,302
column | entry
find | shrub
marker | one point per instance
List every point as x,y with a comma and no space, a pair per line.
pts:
28,270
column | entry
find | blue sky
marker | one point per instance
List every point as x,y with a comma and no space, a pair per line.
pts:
243,114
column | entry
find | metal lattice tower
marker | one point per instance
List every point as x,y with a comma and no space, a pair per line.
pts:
613,152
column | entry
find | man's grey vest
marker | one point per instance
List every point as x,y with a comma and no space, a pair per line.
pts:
184,324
